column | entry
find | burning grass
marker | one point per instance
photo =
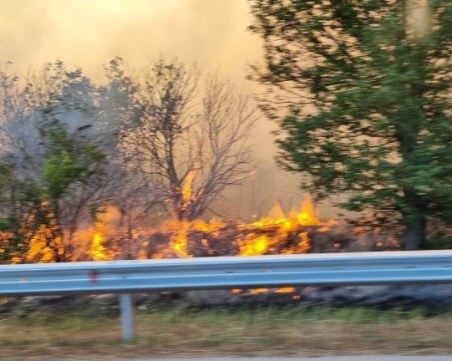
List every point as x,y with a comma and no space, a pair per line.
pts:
256,331
294,232
276,233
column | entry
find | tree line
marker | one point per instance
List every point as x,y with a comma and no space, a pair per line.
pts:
165,141
360,90
362,93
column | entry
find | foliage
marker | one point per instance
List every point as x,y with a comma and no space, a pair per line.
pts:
367,102
438,240
189,134
160,141
45,167
68,162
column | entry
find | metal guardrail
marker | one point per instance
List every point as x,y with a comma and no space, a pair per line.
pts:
125,277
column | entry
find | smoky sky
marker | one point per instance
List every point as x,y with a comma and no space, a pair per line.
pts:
88,33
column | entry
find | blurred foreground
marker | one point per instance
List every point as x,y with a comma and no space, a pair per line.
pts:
271,330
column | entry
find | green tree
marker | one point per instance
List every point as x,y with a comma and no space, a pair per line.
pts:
52,164
68,163
367,103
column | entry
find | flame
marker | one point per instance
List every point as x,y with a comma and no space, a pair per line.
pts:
254,245
98,251
307,214
178,241
257,291
277,233
187,189
281,228
90,243
265,236
285,290
102,228
41,245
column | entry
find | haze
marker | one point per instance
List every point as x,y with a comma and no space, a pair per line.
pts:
88,33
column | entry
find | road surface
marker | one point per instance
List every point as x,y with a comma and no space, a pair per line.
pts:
229,358
330,358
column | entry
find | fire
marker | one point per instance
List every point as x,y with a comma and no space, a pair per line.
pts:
274,234
105,239
178,239
255,245
307,214
277,233
90,243
42,244
281,227
187,189
102,228
97,251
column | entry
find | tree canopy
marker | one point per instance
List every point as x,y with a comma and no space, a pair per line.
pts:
364,102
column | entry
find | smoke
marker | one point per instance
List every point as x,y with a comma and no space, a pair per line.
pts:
212,33
88,33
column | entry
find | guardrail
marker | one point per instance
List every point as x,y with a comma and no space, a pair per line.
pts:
126,277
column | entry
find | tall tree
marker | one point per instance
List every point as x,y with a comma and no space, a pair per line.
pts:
365,103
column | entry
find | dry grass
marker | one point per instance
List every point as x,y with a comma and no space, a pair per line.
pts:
269,331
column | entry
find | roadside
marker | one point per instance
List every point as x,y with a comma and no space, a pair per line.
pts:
269,331
330,358
275,358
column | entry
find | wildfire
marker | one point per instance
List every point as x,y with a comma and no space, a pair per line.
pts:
254,245
281,228
97,250
277,233
178,239
187,189
42,244
274,234
102,228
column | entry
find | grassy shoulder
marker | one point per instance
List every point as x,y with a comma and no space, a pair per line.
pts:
257,331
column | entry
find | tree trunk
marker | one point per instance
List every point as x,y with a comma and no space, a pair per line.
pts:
415,233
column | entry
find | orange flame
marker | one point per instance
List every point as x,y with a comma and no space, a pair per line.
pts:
102,228
276,233
268,235
187,188
98,251
40,246
282,227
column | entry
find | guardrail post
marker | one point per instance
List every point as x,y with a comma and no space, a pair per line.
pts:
125,304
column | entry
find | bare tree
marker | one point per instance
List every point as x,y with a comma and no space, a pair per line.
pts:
191,139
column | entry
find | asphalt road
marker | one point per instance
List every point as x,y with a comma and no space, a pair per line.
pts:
330,358
229,358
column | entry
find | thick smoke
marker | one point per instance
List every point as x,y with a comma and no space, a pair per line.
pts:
212,33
